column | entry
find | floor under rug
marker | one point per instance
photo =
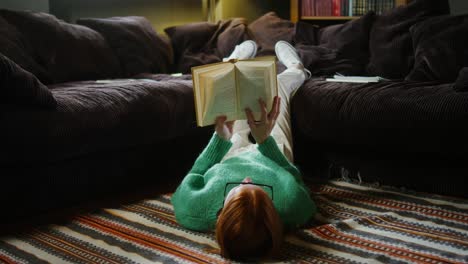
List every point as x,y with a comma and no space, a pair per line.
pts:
354,224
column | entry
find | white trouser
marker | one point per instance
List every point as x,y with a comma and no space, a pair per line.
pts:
288,82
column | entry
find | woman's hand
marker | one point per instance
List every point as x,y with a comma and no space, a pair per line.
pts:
223,128
261,130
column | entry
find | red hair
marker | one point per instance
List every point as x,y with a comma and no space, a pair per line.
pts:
249,227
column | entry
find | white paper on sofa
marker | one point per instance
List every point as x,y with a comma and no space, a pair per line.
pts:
355,79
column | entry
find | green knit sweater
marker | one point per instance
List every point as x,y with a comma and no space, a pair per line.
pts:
200,196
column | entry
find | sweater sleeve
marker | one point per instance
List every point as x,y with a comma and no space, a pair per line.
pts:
270,149
213,153
190,204
191,201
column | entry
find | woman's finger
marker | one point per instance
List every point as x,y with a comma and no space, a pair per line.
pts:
277,107
229,125
274,109
220,120
250,117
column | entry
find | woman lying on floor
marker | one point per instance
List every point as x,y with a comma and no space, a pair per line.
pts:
249,193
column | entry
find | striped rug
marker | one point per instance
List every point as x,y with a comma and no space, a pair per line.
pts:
355,224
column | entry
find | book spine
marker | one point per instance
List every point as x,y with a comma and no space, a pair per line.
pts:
305,7
313,12
329,7
341,8
343,11
360,7
323,7
347,3
355,7
336,7
319,7
310,8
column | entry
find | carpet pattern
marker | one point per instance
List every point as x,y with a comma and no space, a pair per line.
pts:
354,224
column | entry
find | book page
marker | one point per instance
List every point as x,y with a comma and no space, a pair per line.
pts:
199,83
255,79
220,93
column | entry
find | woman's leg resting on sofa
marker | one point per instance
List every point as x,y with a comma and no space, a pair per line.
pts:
288,82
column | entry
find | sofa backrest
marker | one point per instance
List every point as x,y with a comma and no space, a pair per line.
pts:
269,29
133,40
372,45
341,48
20,87
204,42
390,44
201,43
57,51
14,46
440,48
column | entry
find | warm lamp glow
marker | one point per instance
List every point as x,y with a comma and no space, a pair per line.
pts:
209,10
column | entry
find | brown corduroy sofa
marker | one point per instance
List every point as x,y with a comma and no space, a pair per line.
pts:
92,107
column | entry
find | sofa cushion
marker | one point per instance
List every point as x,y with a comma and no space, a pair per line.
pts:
340,48
14,46
190,37
391,51
134,41
305,33
231,33
392,117
440,45
97,117
204,42
461,84
20,87
192,45
269,29
67,52
352,36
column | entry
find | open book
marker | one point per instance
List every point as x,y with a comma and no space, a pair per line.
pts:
227,88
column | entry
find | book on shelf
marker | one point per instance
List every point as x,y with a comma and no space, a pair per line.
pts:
344,7
308,8
344,4
227,88
336,7
359,7
323,7
355,79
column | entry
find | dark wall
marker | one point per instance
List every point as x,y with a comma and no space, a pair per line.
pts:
164,13
161,13
34,5
250,9
66,8
458,7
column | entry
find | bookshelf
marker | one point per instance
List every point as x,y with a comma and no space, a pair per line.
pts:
296,13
